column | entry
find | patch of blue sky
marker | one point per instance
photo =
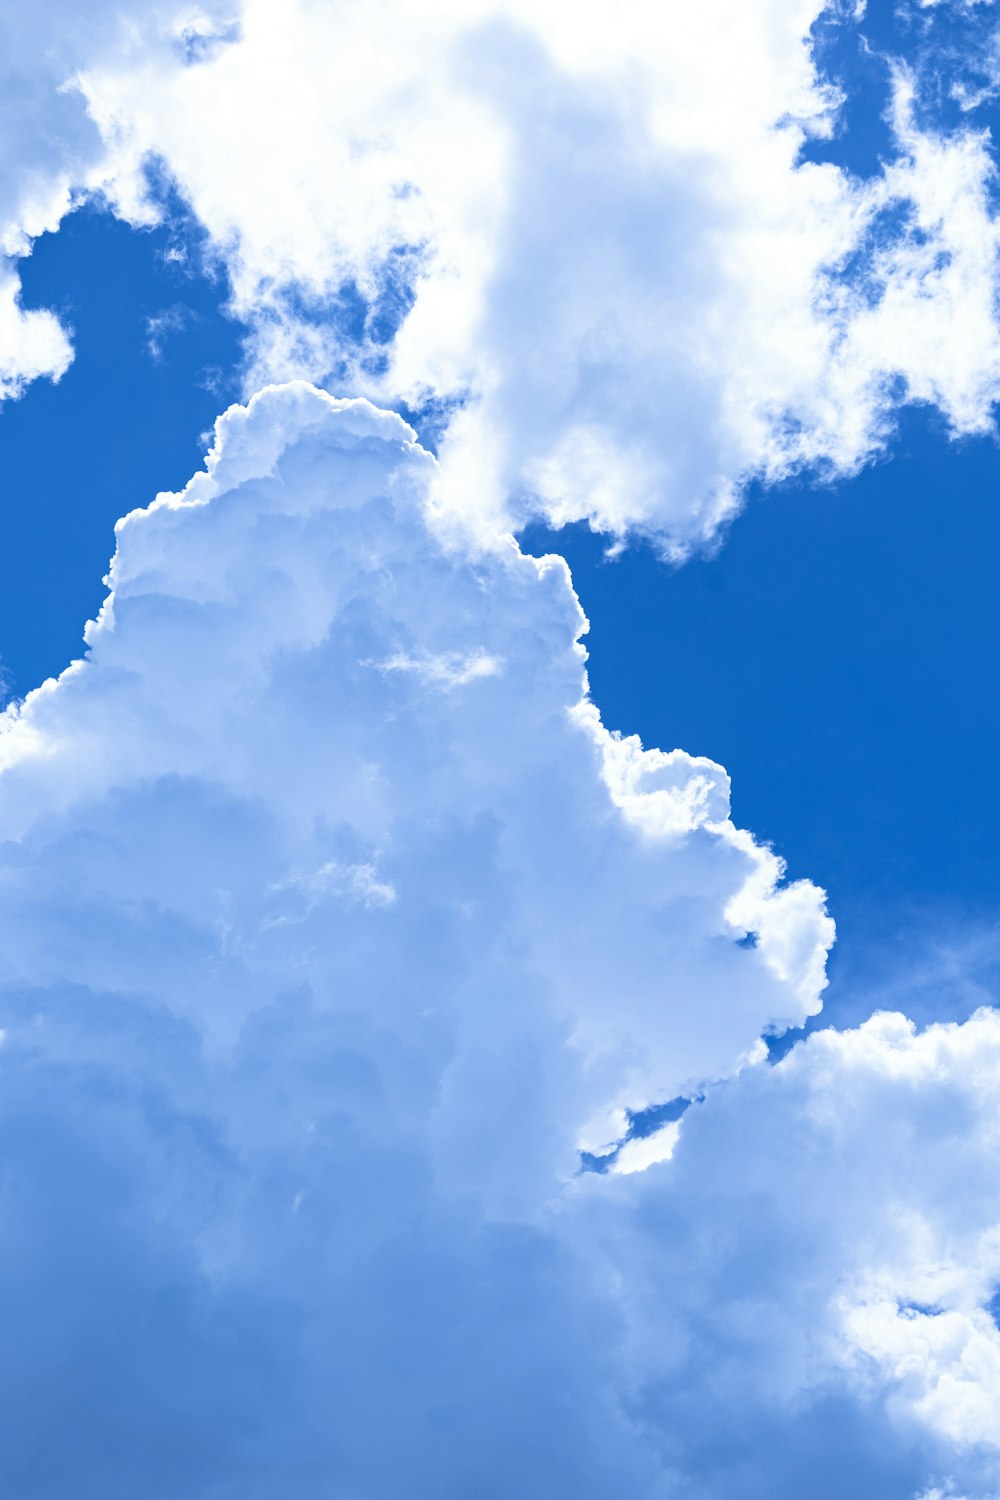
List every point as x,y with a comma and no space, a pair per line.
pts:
954,60
847,49
949,49
155,360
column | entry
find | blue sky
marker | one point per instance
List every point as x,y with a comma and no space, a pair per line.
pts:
340,927
130,422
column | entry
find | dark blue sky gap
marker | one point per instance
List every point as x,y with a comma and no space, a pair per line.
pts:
118,427
948,47
849,55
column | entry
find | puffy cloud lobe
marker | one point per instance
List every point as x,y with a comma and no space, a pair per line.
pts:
825,1227
365,697
335,922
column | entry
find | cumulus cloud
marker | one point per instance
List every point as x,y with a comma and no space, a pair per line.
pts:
581,243
822,1253
581,240
319,974
347,676
316,976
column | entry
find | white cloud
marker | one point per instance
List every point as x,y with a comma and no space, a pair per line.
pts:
582,234
452,669
161,325
192,672
586,232
816,1259
646,1150
315,977
32,343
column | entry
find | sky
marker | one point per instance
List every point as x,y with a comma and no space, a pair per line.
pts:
498,990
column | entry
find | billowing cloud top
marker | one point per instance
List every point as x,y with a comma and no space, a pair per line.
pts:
402,732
